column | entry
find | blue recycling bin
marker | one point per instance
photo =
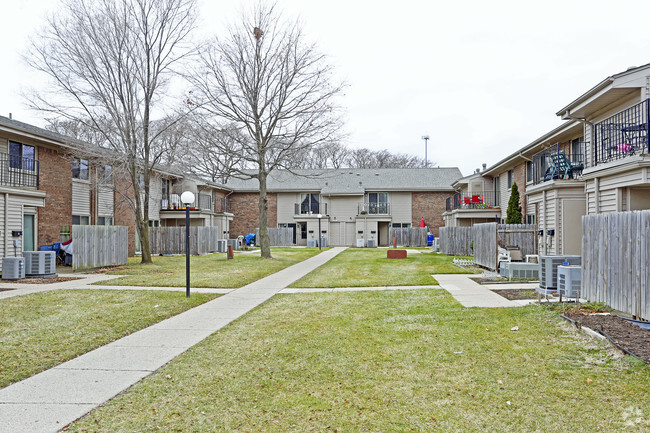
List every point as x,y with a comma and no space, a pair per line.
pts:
429,240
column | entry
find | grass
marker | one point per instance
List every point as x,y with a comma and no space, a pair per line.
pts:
370,267
405,361
42,330
212,270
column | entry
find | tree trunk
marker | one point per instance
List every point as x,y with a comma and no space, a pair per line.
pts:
263,208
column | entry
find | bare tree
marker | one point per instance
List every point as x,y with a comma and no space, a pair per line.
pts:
110,62
274,91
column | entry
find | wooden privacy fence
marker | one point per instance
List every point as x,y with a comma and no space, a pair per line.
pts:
484,237
96,246
171,240
278,237
408,237
522,235
615,256
456,241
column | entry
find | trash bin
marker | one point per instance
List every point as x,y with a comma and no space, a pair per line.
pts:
429,240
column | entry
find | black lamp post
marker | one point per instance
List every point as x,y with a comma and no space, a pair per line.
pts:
320,233
187,198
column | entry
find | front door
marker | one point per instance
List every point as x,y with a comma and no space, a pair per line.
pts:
293,227
28,233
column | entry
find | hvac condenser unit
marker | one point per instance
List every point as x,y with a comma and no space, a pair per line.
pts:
40,263
234,243
13,268
311,243
359,243
548,269
222,246
523,271
568,280
323,242
371,243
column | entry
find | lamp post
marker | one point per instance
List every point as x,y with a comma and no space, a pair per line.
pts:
320,233
187,198
426,160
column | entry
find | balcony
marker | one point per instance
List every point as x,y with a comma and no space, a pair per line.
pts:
622,135
312,208
172,202
205,202
16,171
486,200
222,205
560,161
374,208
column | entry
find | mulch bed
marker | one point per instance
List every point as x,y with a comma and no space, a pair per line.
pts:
516,294
42,280
627,335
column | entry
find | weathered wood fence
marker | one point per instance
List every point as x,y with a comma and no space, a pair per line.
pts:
456,241
278,237
96,246
482,241
408,237
171,240
615,262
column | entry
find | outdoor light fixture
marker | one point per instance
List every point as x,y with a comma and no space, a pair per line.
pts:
187,198
426,160
320,239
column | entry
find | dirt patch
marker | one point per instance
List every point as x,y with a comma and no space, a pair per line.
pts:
627,335
5,290
517,294
104,270
42,280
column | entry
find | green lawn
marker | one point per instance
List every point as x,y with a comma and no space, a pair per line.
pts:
370,267
42,330
400,361
212,270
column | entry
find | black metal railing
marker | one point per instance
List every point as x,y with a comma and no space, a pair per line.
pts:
18,171
485,200
623,134
205,202
222,205
380,208
313,208
559,161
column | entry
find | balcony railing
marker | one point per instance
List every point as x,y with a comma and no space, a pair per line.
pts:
486,200
374,209
18,172
173,202
310,208
222,205
623,134
558,162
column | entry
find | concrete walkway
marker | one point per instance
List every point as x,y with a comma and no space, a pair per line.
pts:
470,293
50,400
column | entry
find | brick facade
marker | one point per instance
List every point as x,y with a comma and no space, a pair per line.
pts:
245,208
123,212
55,174
430,206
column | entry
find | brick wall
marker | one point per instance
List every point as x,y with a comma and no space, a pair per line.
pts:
55,179
430,206
245,208
124,214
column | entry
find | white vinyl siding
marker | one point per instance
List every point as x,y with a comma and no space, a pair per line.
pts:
105,201
286,207
505,194
401,208
80,197
17,206
344,208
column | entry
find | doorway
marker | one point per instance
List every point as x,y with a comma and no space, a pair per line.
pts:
29,233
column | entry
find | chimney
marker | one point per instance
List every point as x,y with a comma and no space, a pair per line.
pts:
10,116
484,166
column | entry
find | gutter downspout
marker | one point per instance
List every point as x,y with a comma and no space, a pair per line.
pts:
6,223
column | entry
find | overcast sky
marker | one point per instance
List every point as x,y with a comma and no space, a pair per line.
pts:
481,78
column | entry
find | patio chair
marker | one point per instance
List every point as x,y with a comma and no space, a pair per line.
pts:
564,167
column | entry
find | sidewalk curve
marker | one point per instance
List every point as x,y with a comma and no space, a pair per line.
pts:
470,293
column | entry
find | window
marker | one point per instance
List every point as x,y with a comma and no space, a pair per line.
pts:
309,203
80,168
401,225
529,171
577,150
105,174
510,176
530,219
21,156
154,223
105,221
497,189
80,220
378,202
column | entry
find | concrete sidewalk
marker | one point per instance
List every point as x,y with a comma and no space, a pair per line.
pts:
470,293
50,400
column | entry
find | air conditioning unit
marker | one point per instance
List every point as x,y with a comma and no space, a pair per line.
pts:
372,243
360,243
311,243
569,279
40,263
524,271
323,242
222,246
548,269
436,244
13,268
234,243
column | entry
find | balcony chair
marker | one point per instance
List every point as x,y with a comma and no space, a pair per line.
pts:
563,167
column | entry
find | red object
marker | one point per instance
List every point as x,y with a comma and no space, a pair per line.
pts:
476,199
396,254
422,223
467,200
